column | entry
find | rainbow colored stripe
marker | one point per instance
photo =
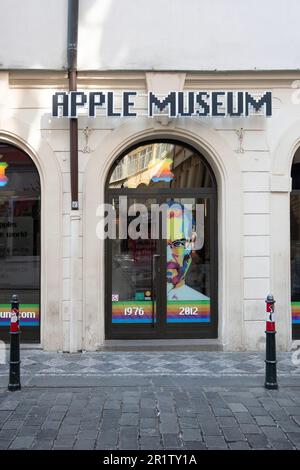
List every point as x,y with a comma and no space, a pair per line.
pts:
119,314
29,315
188,311
3,177
295,312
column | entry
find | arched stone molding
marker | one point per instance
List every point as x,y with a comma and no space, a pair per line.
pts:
225,166
284,152
17,133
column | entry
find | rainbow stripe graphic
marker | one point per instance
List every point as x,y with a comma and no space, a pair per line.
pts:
188,311
295,312
29,315
163,172
3,177
131,311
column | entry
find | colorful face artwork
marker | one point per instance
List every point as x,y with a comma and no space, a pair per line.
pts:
184,303
178,246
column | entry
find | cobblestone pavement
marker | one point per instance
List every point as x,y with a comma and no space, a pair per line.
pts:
153,417
197,400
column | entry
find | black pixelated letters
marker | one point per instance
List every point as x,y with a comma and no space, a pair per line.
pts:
60,100
258,103
190,107
202,103
239,100
78,98
215,103
169,101
127,104
110,105
97,98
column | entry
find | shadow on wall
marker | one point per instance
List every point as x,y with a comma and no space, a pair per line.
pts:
124,35
193,35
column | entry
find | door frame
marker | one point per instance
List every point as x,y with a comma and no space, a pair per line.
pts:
140,331
115,331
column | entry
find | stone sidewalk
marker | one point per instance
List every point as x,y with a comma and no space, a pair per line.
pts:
138,400
37,363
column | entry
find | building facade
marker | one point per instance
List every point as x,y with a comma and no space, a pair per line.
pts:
77,290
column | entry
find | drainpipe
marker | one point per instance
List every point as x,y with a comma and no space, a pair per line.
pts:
75,309
72,73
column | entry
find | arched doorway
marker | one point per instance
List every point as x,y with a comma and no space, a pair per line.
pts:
295,245
161,258
19,241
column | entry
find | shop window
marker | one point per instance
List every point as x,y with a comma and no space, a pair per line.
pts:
19,241
161,165
295,245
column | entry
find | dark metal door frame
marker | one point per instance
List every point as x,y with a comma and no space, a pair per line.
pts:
161,329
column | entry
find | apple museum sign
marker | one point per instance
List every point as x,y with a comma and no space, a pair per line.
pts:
176,104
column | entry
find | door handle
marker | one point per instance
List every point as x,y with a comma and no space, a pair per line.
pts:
155,270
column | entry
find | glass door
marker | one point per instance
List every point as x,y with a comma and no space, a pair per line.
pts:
162,279
134,268
189,267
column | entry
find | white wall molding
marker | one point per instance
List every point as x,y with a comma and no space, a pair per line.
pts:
280,184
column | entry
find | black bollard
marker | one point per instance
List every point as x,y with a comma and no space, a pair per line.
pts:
14,363
271,362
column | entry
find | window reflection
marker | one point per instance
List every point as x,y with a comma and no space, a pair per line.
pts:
161,165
